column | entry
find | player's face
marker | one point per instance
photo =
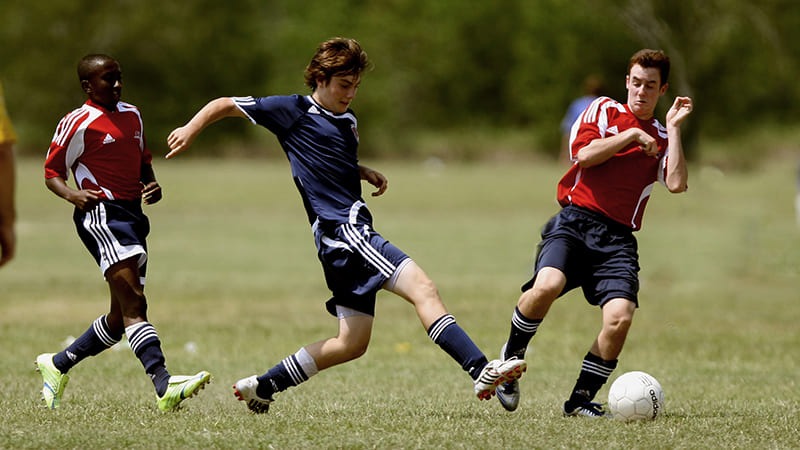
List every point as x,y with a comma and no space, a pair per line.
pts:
335,95
644,89
104,86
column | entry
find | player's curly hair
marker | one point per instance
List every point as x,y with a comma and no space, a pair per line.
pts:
336,57
648,58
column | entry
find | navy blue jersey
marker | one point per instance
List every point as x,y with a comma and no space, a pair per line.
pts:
322,148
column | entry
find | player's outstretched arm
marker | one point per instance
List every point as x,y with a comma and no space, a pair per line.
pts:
677,172
181,138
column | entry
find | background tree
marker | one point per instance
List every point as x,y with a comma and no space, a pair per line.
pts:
448,69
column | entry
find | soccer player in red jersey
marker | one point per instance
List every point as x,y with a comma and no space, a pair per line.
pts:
102,143
618,152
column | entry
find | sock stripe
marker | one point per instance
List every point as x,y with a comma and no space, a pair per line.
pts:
524,324
596,369
140,335
101,330
435,331
294,370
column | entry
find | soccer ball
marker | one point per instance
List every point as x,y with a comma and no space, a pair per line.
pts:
635,396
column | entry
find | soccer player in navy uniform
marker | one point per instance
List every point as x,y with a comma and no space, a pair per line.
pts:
319,134
102,143
618,152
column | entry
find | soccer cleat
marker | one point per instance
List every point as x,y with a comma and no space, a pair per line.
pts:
496,373
589,409
508,393
245,391
180,388
54,381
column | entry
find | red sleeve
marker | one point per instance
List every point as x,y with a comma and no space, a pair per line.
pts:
56,164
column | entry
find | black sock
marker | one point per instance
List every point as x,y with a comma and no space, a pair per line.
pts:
522,331
594,374
93,341
146,346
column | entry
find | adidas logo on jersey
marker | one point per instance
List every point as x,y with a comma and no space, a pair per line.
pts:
109,139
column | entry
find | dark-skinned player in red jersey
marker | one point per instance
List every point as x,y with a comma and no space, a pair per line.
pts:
102,143
618,152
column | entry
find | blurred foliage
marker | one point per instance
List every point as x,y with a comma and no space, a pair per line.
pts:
440,67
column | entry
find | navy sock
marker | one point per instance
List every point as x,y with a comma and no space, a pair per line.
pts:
594,374
282,376
446,333
147,347
522,331
93,341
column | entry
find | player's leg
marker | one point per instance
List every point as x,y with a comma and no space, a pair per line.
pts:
355,330
127,291
411,283
531,309
601,360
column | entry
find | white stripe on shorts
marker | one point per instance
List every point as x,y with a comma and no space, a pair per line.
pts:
367,251
111,250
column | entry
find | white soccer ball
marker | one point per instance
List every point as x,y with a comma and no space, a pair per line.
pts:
635,396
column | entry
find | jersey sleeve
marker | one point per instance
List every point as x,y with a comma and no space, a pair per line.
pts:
591,124
66,145
276,113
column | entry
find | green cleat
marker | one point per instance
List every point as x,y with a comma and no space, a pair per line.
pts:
54,380
180,388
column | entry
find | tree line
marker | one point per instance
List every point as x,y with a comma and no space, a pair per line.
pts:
440,66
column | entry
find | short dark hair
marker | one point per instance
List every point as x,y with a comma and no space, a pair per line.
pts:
648,58
336,57
90,63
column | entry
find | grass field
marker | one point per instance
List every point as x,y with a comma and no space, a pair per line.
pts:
233,273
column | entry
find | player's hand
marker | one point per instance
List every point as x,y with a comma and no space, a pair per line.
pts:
179,140
374,178
680,109
151,193
647,143
86,199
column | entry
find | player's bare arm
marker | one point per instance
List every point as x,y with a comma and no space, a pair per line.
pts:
151,190
8,215
677,172
374,178
600,150
181,138
84,199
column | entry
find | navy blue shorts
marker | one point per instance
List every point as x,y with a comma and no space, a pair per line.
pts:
594,252
357,262
113,231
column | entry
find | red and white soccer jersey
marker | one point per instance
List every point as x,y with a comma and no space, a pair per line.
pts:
104,150
619,187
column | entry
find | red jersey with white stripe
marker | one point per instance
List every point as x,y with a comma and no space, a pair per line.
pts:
103,149
620,187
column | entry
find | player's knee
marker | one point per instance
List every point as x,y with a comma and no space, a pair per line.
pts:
619,323
353,350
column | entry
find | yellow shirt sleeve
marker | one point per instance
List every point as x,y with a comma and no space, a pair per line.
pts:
7,134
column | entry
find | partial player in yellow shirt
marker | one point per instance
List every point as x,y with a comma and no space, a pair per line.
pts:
8,212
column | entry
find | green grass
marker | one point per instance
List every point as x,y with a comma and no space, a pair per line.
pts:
233,270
